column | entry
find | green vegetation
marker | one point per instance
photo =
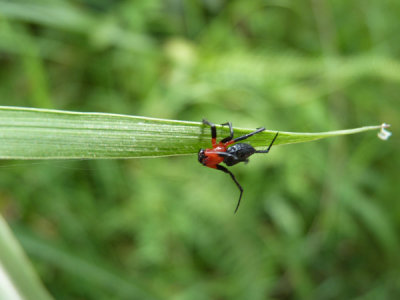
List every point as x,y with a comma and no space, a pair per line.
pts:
318,220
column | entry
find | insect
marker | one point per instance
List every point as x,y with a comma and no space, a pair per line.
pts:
221,152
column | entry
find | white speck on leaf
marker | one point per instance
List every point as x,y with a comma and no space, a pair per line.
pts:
384,134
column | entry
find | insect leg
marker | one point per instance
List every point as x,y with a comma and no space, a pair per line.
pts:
213,131
230,137
223,169
226,154
241,138
270,145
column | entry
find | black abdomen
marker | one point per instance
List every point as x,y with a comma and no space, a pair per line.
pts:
240,151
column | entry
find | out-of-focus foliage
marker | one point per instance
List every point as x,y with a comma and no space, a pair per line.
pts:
318,220
18,278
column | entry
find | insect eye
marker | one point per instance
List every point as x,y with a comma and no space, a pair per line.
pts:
202,155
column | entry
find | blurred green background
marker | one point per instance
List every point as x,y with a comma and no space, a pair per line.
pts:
318,220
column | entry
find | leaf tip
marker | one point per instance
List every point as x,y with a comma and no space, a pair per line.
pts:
384,134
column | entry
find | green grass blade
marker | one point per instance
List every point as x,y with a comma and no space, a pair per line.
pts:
17,278
29,133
